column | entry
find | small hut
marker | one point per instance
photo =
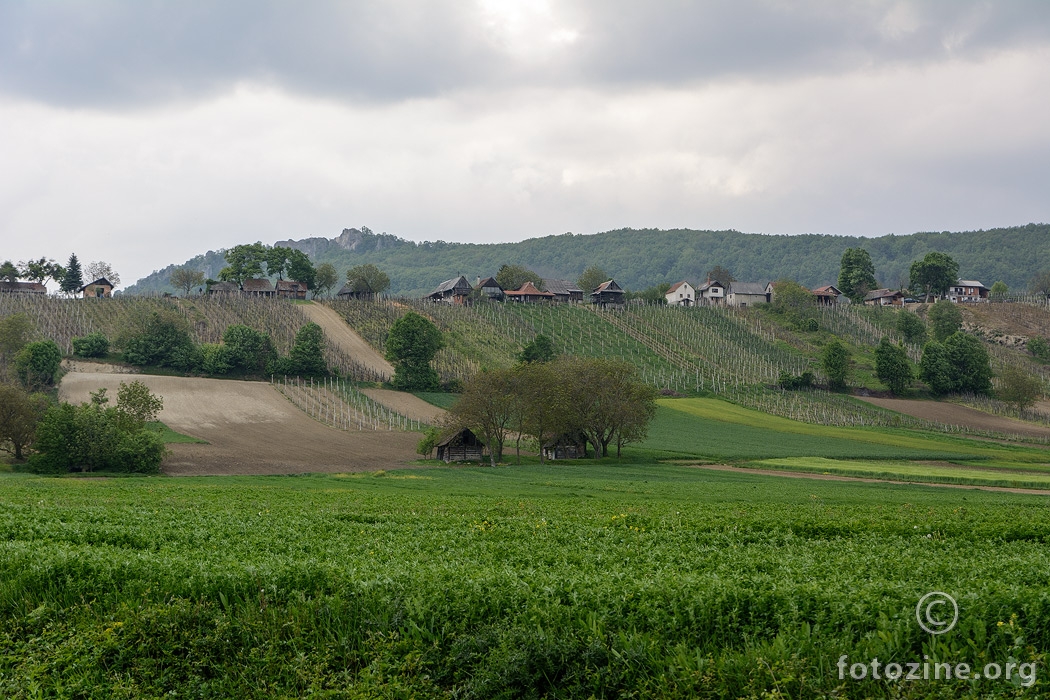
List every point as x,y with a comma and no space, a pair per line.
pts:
224,288
529,294
259,287
608,294
566,446
490,288
462,446
290,289
454,291
101,288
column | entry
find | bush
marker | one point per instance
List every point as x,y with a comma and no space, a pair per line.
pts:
91,345
1040,348
809,325
945,319
911,327
163,341
249,350
792,382
37,363
836,362
892,366
1019,388
216,359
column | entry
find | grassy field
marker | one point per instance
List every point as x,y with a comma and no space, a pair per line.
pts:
559,581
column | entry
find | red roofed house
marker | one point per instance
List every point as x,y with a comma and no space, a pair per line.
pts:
529,293
681,294
828,295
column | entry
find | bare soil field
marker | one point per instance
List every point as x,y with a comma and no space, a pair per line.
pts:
250,429
406,404
954,414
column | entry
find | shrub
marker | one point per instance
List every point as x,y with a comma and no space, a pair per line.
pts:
945,319
307,355
37,363
91,345
163,340
835,361
911,327
1040,348
1019,388
247,349
793,382
216,359
892,366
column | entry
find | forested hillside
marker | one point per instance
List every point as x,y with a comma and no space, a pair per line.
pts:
641,258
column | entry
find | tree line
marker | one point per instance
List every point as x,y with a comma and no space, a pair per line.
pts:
70,278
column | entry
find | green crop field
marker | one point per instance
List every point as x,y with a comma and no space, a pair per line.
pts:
608,580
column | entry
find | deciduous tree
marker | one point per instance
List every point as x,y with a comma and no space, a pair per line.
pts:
100,268
367,280
911,327
999,289
186,278
307,355
836,363
945,319
590,279
37,364
511,277
856,274
243,262
411,345
540,349
970,364
488,406
892,366
41,270
325,278
935,368
19,414
934,274
300,268
9,272
720,274
1019,387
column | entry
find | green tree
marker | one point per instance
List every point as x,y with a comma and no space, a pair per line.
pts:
367,280
307,355
999,289
935,368
247,349
1019,388
72,280
608,400
430,440
243,262
19,414
970,363
276,259
37,364
540,349
325,278
186,278
591,278
720,274
511,277
792,299
300,268
15,332
892,366
137,405
911,327
93,344
856,274
1039,348
41,270
656,294
934,274
411,345
545,409
836,364
9,272
160,339
99,269
1040,283
488,406
945,319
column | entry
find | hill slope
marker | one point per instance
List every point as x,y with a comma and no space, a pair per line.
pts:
640,258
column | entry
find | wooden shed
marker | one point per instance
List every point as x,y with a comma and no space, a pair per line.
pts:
566,446
258,286
462,446
291,289
101,288
608,294
454,291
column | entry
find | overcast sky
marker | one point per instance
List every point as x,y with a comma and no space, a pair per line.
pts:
143,133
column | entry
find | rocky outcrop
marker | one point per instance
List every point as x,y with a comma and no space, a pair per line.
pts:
354,240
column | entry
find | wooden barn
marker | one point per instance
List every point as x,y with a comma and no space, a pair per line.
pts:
259,287
290,289
22,287
566,446
463,446
528,294
99,289
454,291
608,294
564,290
490,288
224,288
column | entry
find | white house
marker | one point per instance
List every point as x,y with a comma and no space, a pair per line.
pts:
710,293
681,294
747,294
967,291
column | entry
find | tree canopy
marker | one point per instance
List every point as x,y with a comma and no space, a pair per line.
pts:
411,345
186,278
856,274
367,280
511,277
591,278
892,366
100,268
72,279
933,274
945,319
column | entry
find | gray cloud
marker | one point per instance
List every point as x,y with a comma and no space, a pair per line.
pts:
102,52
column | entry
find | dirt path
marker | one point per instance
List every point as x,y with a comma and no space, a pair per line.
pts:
836,477
250,429
954,414
338,332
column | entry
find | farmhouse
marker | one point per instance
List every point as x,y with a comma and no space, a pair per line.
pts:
564,290
966,291
528,293
828,295
290,289
259,287
463,446
490,288
681,294
711,293
566,446
454,291
224,288
884,297
22,287
745,294
608,294
99,289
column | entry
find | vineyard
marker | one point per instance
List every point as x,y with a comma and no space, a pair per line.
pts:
338,403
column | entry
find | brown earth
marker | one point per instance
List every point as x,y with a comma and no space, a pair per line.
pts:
406,404
954,414
250,429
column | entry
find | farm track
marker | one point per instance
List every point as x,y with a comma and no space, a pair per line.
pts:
250,429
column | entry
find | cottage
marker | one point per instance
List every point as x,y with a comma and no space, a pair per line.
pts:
490,289
743,294
711,293
566,446
454,291
22,287
884,297
967,291
462,446
608,294
99,289
564,290
290,289
224,288
828,295
681,294
528,294
259,287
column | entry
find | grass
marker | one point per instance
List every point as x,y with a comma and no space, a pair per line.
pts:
911,471
441,399
170,437
627,580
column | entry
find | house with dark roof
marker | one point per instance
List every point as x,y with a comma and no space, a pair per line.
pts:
564,290
566,446
608,294
681,294
99,289
884,297
454,291
528,294
967,291
828,295
290,289
22,287
490,288
258,287
743,294
224,288
461,446
711,293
